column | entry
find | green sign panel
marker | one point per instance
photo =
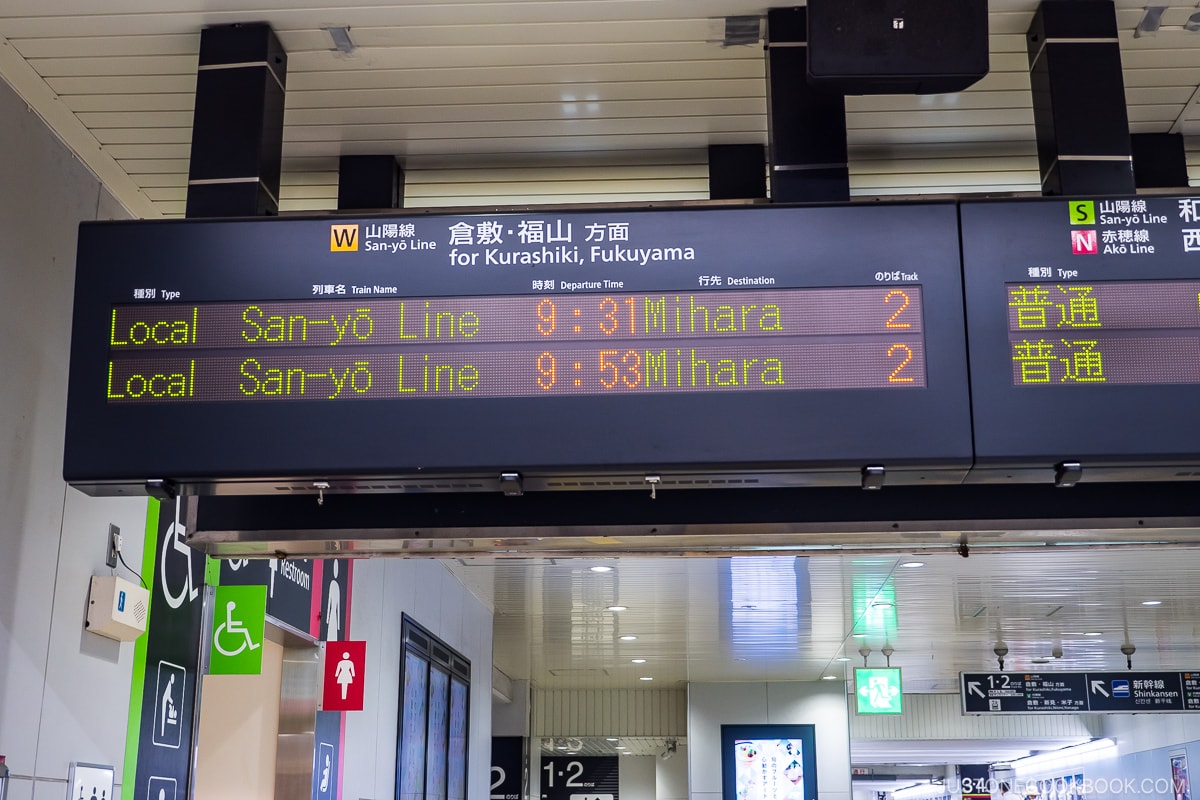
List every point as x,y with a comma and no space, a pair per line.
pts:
877,691
239,619
1083,212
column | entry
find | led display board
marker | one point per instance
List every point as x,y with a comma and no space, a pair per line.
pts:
768,762
1084,330
799,343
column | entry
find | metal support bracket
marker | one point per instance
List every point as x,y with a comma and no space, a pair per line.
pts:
872,477
654,481
1067,474
511,484
162,488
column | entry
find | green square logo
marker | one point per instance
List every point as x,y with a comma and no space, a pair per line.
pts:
239,621
1083,212
878,691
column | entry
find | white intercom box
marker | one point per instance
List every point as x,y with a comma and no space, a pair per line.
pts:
117,608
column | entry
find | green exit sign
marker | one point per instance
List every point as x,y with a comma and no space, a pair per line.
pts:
877,691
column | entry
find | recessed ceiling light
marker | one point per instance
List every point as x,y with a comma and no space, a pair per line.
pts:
1152,602
842,658
1093,633
913,564
618,608
628,638
639,661
612,739
561,747
829,677
645,678
627,753
601,569
620,747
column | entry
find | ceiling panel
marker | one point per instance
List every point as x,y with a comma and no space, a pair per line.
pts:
453,86
788,618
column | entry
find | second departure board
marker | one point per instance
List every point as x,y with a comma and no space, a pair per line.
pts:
1084,328
778,340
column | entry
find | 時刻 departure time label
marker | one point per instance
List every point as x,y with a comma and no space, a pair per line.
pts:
1127,332
510,346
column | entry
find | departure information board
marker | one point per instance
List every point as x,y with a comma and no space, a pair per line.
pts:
1084,329
790,339
1130,332
778,340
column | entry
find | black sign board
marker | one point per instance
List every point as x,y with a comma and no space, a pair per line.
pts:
508,768
1077,692
172,656
778,341
581,778
289,587
1084,328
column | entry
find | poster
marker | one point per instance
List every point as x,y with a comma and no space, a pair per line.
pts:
770,769
1179,777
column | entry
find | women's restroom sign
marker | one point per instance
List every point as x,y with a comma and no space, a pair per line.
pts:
343,669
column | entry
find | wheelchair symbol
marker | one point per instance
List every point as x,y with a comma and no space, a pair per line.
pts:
174,544
236,628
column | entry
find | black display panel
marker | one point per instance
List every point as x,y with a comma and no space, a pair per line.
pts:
774,340
1084,329
769,762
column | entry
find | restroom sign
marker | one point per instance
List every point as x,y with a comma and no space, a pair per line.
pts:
343,670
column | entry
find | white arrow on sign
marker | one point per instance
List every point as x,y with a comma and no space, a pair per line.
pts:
1098,688
973,686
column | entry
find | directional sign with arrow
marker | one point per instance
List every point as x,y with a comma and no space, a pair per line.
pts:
1065,692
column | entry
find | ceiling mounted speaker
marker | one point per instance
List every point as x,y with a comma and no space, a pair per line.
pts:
896,46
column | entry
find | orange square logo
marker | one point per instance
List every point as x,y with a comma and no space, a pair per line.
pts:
343,238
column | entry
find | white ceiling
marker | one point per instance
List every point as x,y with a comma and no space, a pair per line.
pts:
529,101
756,618
777,618
507,102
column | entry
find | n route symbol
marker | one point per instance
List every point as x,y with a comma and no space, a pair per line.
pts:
1084,243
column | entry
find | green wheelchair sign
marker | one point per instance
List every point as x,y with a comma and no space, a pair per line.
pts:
239,621
878,691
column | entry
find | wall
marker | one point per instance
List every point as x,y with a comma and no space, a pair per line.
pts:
431,595
711,705
64,693
637,777
671,777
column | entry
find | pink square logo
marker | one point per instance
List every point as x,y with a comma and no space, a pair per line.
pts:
1084,243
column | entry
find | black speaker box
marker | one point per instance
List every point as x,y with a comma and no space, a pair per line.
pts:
896,46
